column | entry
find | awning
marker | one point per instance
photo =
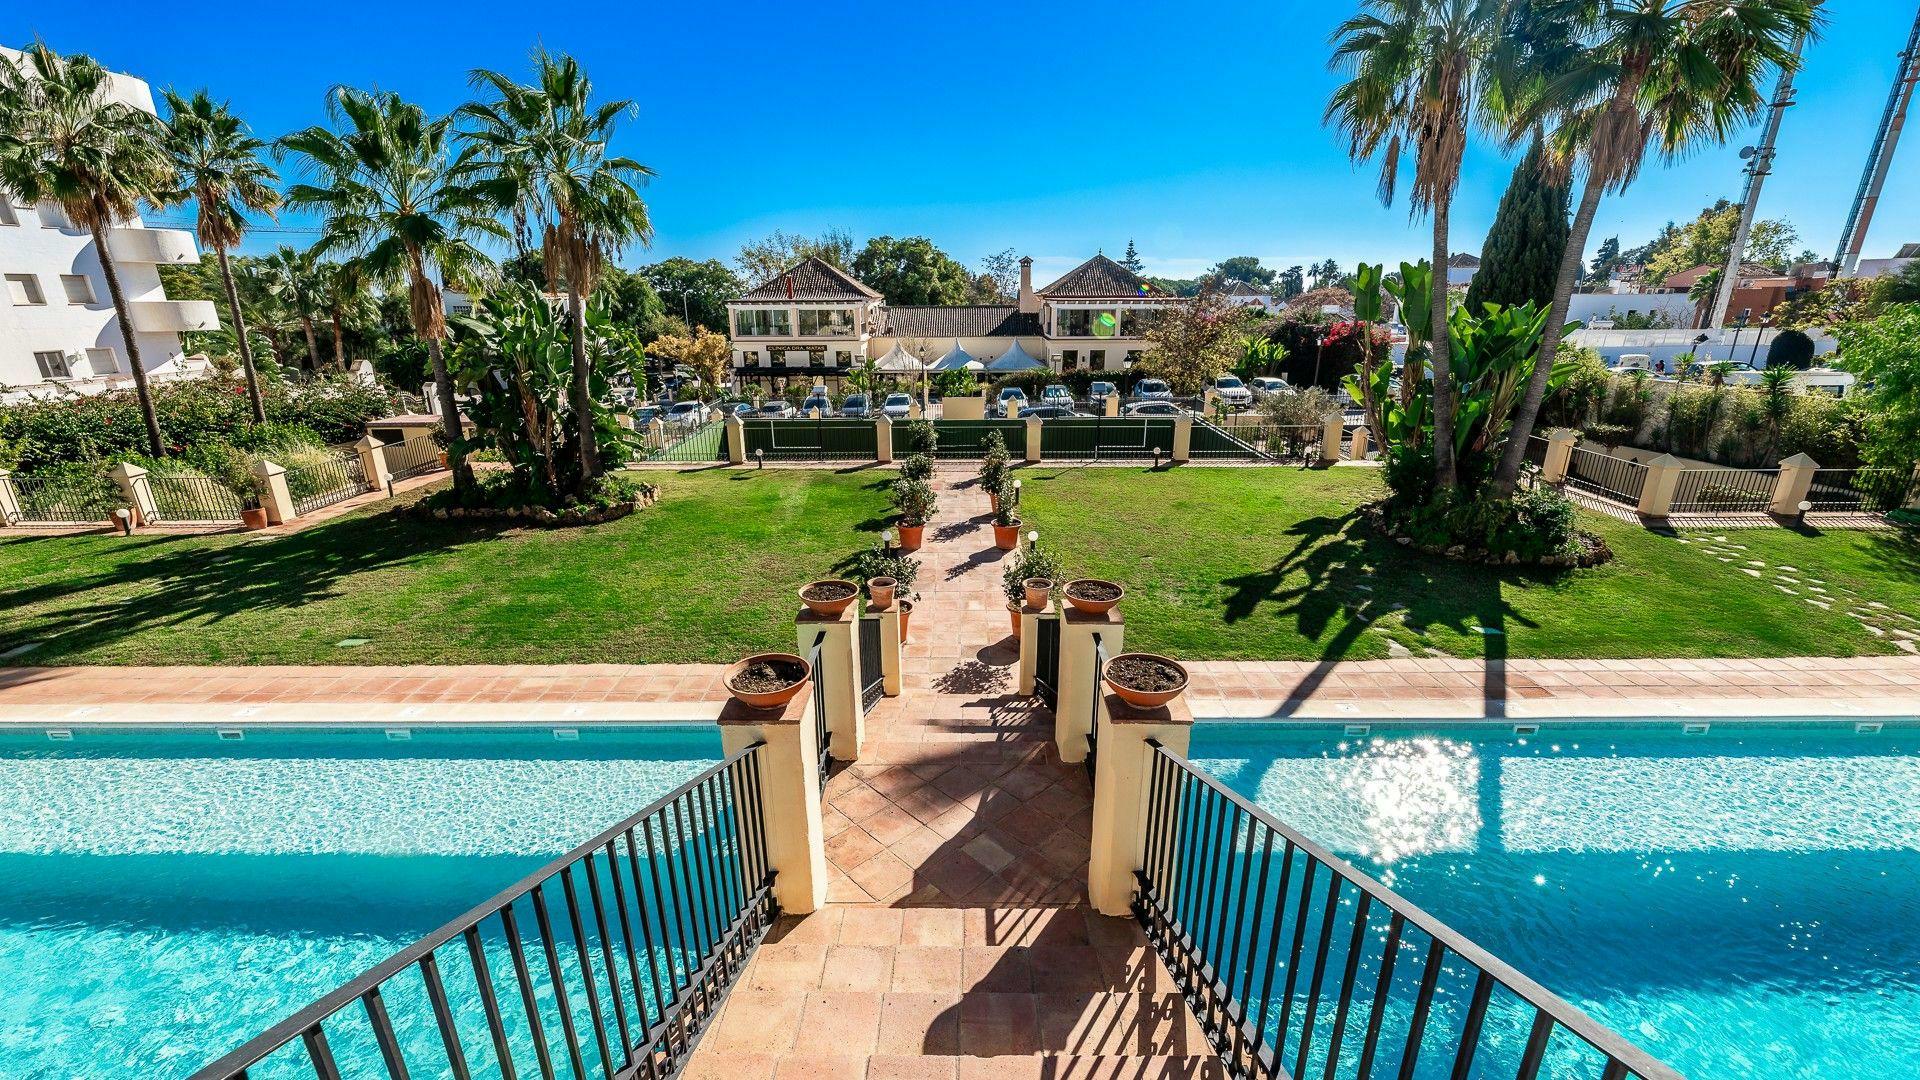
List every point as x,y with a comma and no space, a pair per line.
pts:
958,359
1015,359
899,359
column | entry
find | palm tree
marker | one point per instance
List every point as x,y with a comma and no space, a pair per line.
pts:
1417,73
1776,403
390,189
342,293
219,168
1649,75
1703,292
543,150
63,139
294,280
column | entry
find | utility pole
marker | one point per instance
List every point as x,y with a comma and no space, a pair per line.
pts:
1759,163
1854,235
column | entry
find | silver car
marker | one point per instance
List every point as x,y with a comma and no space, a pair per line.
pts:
686,414
776,409
1152,390
855,407
1230,389
898,406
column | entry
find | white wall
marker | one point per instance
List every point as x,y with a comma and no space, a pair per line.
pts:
1674,345
1588,306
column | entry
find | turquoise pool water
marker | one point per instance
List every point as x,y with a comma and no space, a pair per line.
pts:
1741,903
169,894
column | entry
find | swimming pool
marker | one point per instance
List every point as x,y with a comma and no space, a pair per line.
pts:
170,893
1740,902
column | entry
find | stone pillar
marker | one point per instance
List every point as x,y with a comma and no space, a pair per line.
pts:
915,410
1663,476
132,481
890,650
1079,677
1560,444
1033,440
373,462
1332,434
839,673
9,499
1029,647
736,440
883,439
1791,487
789,782
1358,447
275,498
656,434
1122,779
1113,402
1183,437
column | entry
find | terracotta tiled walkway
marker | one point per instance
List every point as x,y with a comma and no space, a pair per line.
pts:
956,942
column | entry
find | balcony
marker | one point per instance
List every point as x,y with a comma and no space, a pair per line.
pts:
174,316
152,246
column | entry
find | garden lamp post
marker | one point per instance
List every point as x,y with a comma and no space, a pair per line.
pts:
1016,493
1033,538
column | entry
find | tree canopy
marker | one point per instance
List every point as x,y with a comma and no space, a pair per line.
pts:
1520,260
760,260
1245,268
1885,353
1708,238
910,270
695,291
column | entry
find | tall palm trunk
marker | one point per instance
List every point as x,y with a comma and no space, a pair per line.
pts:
449,414
240,336
1509,475
313,343
582,388
339,341
274,344
1445,473
155,444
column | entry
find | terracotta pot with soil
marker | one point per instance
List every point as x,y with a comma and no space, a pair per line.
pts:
1093,596
253,517
1039,592
1145,680
880,592
830,596
911,537
906,609
767,680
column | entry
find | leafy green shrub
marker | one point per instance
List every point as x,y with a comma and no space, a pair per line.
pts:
882,561
916,467
921,436
914,501
1031,561
993,464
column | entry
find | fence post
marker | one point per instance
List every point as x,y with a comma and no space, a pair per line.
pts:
1790,488
1560,443
1183,437
1033,440
839,673
1332,433
736,440
1030,650
373,462
1121,778
1079,678
789,784
1113,403
139,496
883,439
1357,448
890,649
9,499
1663,476
275,498
914,410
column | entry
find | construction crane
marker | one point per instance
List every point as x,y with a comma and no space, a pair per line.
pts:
1759,163
1854,235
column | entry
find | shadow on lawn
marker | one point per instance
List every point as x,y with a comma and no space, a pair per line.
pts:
1354,578
182,580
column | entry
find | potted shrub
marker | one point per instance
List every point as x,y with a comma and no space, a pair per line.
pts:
767,680
1039,591
993,470
1006,526
880,592
828,596
1035,563
1093,595
915,502
887,573
1145,680
917,467
234,471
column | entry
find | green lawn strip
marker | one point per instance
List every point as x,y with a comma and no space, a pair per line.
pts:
1276,564
706,575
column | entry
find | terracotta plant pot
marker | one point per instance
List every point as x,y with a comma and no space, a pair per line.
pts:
1139,697
906,610
254,517
1006,537
880,592
1013,613
1039,592
1094,605
443,459
911,537
832,605
767,699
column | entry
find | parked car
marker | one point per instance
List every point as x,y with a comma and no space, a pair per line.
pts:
742,409
1097,395
687,414
1152,390
1230,389
1055,394
855,407
1268,385
819,403
1046,412
1010,402
1740,369
776,409
897,406
1153,408
645,415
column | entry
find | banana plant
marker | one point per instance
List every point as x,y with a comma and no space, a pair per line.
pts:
1366,311
1412,291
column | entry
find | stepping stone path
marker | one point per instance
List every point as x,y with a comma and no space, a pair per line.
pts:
1878,619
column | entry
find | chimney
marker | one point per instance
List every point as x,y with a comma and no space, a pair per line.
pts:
1029,302
789,286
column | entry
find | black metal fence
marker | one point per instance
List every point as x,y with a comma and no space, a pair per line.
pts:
1103,438
184,498
1093,721
66,499
616,975
1537,450
692,444
415,457
1297,964
968,438
1250,437
1724,491
822,733
873,677
1862,490
1046,653
323,481
1604,474
803,439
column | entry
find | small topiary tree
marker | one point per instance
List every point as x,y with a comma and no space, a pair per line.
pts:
1791,349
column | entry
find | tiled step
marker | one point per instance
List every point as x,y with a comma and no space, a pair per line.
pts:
951,1067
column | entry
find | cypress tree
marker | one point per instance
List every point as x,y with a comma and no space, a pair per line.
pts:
1521,257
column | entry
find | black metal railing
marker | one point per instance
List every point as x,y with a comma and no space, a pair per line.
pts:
1093,722
822,732
1724,491
811,439
1046,659
1537,450
66,498
415,457
1291,444
617,976
873,676
1103,438
691,444
1867,490
323,481
1606,475
183,498
1266,933
968,438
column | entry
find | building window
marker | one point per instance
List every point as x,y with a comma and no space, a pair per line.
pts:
1070,360
762,322
826,322
842,358
79,289
1097,359
1133,322
103,361
7,214
24,290
53,365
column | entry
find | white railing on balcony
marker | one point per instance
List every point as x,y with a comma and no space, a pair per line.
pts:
174,316
154,246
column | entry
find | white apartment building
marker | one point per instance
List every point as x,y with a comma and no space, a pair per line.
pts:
57,324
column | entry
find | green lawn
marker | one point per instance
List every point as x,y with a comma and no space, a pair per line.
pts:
706,575
1275,564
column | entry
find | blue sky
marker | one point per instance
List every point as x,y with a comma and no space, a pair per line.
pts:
1054,129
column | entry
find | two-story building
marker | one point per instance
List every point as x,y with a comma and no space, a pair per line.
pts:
817,322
